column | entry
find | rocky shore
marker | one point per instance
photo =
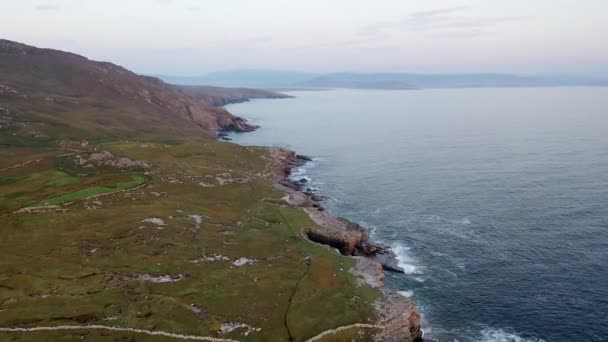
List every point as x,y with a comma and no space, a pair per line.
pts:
397,314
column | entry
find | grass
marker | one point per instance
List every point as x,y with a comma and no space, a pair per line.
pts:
45,180
83,266
90,192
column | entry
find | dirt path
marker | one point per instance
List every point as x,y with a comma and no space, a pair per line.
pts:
172,335
21,165
129,330
346,327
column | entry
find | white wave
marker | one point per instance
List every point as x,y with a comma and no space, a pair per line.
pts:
407,293
404,260
464,221
499,335
299,172
302,171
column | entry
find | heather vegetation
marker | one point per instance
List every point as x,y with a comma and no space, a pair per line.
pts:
162,230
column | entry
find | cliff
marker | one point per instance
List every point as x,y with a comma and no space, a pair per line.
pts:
398,316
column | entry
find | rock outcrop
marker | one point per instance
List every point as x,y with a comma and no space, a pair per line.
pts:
397,314
400,318
104,158
370,271
339,233
346,236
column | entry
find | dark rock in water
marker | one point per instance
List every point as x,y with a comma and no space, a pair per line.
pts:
290,184
316,197
388,260
368,249
318,206
303,157
225,139
303,180
296,163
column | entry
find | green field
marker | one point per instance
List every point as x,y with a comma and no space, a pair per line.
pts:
197,245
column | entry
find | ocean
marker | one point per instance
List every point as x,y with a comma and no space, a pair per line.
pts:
495,199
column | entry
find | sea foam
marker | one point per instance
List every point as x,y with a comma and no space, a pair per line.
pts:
406,293
404,260
500,335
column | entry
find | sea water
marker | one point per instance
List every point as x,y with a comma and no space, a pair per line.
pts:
495,200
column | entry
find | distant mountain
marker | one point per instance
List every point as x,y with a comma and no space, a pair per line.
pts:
221,96
243,78
412,81
287,79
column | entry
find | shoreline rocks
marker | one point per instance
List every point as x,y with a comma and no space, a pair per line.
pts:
346,236
398,314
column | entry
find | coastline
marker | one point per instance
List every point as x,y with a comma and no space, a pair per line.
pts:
397,314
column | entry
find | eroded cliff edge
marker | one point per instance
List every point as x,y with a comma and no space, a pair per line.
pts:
398,315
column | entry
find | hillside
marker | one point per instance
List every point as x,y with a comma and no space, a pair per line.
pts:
49,88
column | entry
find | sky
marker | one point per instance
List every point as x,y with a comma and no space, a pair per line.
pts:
192,37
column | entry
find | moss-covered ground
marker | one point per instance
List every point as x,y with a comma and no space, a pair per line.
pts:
196,245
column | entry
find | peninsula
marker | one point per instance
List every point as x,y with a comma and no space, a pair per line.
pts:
122,216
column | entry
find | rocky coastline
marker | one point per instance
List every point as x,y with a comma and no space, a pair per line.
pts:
397,314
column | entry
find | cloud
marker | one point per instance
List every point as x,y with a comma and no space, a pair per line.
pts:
194,8
441,11
47,7
451,21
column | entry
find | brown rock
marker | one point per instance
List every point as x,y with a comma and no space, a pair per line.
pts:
370,271
400,318
338,233
299,200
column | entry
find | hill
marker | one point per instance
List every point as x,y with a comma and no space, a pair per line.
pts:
220,96
50,89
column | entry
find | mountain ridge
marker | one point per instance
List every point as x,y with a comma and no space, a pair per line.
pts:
272,79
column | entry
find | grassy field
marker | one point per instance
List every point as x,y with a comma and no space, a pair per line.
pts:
197,245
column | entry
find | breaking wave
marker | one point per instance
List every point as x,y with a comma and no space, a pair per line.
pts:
500,335
405,261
